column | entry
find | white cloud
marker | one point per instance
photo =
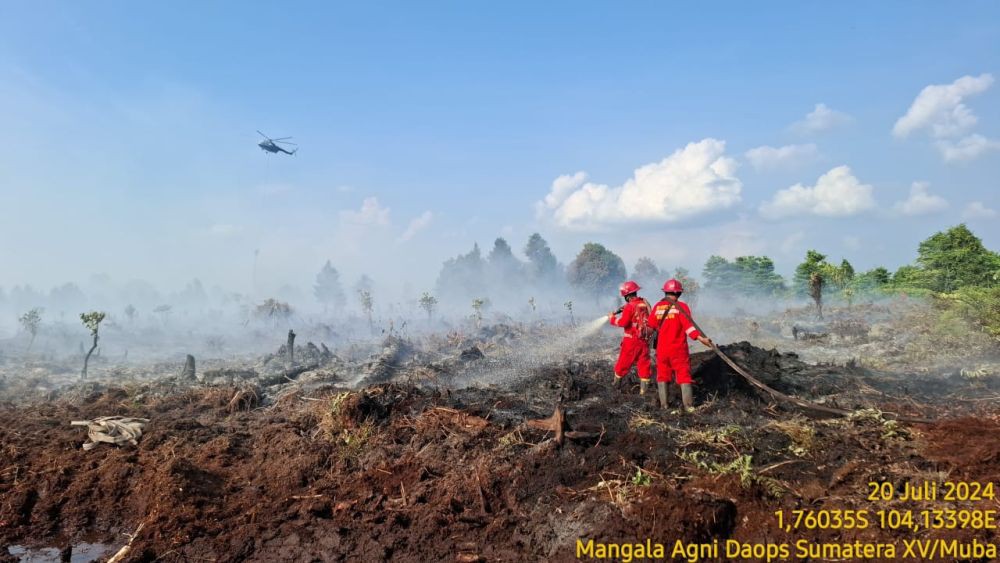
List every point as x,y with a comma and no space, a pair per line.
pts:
371,213
416,225
852,242
920,202
562,187
696,179
765,157
836,194
976,210
821,118
967,148
940,108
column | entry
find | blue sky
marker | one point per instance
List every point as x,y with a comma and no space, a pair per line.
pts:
129,146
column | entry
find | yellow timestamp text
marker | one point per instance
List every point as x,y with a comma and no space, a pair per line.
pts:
914,520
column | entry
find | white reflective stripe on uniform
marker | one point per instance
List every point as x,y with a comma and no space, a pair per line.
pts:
690,329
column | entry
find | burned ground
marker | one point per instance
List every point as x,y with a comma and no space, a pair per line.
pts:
418,468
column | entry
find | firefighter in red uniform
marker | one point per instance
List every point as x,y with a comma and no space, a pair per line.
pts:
671,318
635,343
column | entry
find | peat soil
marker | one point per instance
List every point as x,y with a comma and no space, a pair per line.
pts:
411,471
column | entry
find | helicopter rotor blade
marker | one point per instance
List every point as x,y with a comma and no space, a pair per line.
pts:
281,138
262,135
285,142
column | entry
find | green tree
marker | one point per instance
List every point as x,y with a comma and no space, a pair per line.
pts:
328,290
746,275
542,263
368,306
690,285
30,322
428,302
910,276
504,269
462,275
873,279
757,276
845,273
719,274
646,273
596,270
814,262
956,258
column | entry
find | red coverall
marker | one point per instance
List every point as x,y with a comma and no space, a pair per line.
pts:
672,356
634,348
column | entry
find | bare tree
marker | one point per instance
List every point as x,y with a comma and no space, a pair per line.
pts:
30,321
816,291
92,321
274,311
130,313
163,311
569,307
477,309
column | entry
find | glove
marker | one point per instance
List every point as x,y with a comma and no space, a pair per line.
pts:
611,318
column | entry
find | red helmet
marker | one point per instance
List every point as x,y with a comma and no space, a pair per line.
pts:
672,286
628,287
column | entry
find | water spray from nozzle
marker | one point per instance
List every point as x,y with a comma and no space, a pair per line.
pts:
593,326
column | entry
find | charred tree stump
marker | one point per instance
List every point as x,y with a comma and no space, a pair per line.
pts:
558,425
188,372
291,348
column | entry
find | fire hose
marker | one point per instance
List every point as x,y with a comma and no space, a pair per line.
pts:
801,403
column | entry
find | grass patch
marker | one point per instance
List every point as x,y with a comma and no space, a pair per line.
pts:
730,435
799,431
640,421
890,428
741,466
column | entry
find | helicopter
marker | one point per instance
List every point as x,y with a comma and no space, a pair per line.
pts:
271,145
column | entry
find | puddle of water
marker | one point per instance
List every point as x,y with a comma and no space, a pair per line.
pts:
82,553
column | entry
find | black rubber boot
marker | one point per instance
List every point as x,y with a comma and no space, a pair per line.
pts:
617,383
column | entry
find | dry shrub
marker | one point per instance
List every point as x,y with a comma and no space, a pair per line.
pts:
337,425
